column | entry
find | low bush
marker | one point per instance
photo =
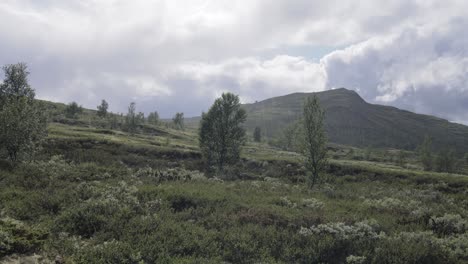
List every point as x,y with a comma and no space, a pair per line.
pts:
449,224
17,237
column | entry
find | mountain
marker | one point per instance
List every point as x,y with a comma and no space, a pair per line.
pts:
352,121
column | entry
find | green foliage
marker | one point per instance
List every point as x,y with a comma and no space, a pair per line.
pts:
425,154
221,133
17,237
409,247
22,119
73,110
108,252
132,120
178,121
111,197
445,161
100,209
380,127
449,224
153,118
290,138
314,139
176,174
257,135
402,158
102,108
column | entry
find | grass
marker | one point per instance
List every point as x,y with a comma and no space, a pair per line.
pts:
120,198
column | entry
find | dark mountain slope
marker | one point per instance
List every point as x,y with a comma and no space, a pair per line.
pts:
352,121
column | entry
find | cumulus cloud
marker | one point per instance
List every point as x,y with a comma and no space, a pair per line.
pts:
179,55
423,69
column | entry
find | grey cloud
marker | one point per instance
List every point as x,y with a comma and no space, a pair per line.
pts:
177,56
420,69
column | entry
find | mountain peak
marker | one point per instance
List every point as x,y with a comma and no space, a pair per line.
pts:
350,120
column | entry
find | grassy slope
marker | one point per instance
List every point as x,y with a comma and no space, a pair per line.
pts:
110,211
352,121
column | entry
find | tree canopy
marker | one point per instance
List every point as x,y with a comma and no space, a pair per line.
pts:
221,133
23,118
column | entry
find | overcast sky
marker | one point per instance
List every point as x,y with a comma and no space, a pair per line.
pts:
179,55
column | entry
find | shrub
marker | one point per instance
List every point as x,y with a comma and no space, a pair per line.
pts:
176,174
449,224
342,232
312,203
337,241
356,260
16,237
108,252
284,201
456,246
102,208
73,110
419,247
392,205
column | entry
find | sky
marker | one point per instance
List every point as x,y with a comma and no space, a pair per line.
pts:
178,56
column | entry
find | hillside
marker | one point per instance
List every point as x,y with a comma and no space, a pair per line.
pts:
98,195
350,120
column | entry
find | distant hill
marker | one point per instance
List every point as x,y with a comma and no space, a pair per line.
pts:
350,120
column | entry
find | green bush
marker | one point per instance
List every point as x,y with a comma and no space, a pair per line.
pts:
175,174
17,237
108,252
420,247
449,224
103,208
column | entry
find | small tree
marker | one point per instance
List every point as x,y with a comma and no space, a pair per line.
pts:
140,118
425,154
289,138
22,119
73,110
368,153
102,108
178,121
446,161
314,139
221,133
114,121
153,118
131,120
257,134
401,158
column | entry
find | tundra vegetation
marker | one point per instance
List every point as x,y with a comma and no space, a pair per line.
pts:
178,121
102,109
257,134
98,192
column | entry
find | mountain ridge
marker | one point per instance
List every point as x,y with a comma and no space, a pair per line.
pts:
350,120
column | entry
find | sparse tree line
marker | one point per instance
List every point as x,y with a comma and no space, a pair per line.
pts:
131,122
443,161
221,135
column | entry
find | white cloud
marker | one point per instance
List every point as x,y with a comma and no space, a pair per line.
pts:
255,78
179,55
423,69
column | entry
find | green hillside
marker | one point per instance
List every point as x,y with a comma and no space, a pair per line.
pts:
97,195
352,121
